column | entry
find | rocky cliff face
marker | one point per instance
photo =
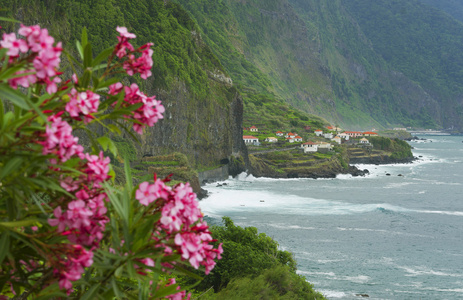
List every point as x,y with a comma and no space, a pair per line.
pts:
204,112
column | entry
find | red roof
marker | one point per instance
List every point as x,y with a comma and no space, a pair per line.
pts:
298,137
290,138
248,137
309,143
279,132
329,127
369,132
253,127
318,130
291,134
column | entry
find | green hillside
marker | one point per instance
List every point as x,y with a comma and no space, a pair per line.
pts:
320,56
452,7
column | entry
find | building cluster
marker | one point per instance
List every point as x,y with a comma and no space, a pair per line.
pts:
313,146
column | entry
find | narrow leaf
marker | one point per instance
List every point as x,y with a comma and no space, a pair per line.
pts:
17,98
91,292
88,56
102,56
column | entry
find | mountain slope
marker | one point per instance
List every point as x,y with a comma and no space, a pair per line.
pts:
452,7
203,116
321,57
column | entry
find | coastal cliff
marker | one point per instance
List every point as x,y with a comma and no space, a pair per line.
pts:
204,111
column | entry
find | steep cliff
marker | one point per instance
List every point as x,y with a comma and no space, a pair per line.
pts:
333,58
203,117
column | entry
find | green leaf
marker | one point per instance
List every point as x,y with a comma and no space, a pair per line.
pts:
17,98
10,166
84,39
105,84
88,57
91,292
80,50
112,148
104,142
12,224
2,112
9,20
102,56
4,246
169,290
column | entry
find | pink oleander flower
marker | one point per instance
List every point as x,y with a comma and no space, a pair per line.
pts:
178,296
83,103
147,193
116,88
123,45
60,141
13,45
24,81
97,167
60,220
141,65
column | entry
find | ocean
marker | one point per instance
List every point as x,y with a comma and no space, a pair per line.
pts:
396,236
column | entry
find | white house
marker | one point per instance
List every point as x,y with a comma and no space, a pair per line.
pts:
290,134
290,139
324,147
297,138
250,140
271,139
253,129
344,136
336,139
364,141
309,147
318,132
353,134
279,133
370,133
328,135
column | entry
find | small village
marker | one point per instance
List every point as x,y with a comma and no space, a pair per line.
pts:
316,140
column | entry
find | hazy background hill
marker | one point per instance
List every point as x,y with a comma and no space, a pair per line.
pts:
357,63
452,7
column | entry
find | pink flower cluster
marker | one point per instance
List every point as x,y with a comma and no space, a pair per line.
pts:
147,114
178,296
43,62
82,104
74,259
141,65
84,219
182,220
60,141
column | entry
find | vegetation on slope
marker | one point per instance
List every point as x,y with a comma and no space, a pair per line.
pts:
422,43
313,55
252,267
183,71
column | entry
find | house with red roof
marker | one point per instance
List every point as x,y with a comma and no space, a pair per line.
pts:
250,140
318,132
290,134
279,133
253,129
353,134
370,133
297,138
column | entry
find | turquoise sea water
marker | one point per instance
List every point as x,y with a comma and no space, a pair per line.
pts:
391,237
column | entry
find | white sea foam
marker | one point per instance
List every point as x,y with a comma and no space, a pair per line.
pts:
449,213
333,294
